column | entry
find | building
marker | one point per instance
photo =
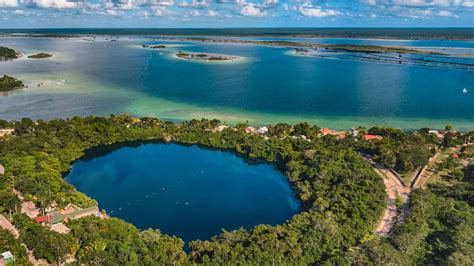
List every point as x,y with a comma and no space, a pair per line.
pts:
250,130
220,128
326,131
7,256
436,133
338,134
262,130
354,132
71,212
6,132
373,137
42,219
29,208
60,228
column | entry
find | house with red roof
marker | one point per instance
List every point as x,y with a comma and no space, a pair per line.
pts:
372,137
42,219
338,134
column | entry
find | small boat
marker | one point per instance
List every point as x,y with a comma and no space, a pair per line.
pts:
465,91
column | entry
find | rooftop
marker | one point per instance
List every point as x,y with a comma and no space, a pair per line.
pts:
373,137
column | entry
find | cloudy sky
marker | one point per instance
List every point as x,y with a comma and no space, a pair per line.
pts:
235,13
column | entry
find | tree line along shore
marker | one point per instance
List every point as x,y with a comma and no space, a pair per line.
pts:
9,83
294,44
342,196
10,54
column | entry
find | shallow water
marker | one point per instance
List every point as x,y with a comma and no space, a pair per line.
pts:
187,191
104,77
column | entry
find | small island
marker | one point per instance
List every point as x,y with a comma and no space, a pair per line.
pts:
206,56
160,46
8,83
7,53
40,56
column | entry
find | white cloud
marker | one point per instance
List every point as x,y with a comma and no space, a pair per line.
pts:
111,12
468,4
195,13
160,2
8,3
145,15
120,4
419,3
194,4
444,13
307,9
420,9
270,3
212,13
371,2
241,2
59,4
160,11
251,10
23,12
422,3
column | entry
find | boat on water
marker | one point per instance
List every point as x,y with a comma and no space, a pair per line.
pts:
465,91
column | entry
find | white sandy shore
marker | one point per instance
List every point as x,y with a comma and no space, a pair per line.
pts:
235,59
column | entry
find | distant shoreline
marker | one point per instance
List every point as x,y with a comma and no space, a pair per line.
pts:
345,33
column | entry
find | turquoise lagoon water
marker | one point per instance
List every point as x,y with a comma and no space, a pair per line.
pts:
102,77
187,191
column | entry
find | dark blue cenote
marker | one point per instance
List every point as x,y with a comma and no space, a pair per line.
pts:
187,191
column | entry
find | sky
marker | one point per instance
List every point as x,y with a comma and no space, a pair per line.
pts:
235,13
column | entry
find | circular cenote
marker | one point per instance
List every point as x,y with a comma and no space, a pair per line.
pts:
187,191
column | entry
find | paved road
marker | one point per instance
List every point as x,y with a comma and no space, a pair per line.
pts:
394,189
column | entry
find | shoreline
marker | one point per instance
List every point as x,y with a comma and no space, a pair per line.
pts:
384,33
195,57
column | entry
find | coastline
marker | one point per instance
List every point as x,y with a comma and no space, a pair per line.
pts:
460,33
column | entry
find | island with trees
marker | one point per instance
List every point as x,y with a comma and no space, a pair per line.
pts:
159,46
295,44
342,194
40,56
8,83
206,56
7,53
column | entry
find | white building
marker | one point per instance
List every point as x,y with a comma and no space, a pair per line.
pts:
354,132
7,256
249,130
220,128
6,131
262,130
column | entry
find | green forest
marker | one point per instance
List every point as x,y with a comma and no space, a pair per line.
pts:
7,53
8,83
343,198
